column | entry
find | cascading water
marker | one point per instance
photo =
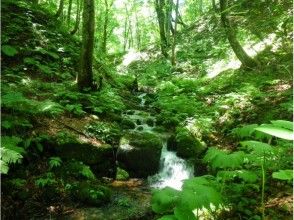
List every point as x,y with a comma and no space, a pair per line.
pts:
173,170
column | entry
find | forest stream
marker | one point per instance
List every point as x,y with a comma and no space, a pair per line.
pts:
131,199
146,109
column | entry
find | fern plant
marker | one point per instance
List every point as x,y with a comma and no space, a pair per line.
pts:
10,153
253,161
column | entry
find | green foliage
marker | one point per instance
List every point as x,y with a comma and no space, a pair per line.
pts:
197,193
47,179
121,174
54,162
107,132
76,109
9,50
244,131
17,102
283,175
221,159
164,200
79,170
276,131
10,153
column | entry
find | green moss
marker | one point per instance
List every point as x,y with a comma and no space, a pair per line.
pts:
121,174
187,145
91,193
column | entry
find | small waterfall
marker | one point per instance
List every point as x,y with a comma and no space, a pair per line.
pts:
173,170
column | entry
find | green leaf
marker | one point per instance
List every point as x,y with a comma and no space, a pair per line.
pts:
198,193
54,162
11,143
283,175
182,213
245,131
258,148
222,159
276,131
168,217
9,50
283,124
245,175
3,167
164,200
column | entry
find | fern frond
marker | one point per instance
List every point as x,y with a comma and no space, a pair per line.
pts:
258,148
245,131
245,175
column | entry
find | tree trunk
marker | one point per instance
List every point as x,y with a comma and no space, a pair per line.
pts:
245,59
168,19
173,56
85,75
159,5
78,16
60,9
69,12
214,6
105,25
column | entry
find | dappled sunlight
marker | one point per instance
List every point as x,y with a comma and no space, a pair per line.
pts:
253,48
223,65
132,56
26,81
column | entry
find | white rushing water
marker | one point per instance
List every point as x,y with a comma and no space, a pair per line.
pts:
173,171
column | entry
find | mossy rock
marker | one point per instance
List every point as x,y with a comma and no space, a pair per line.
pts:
121,174
99,158
139,153
172,143
127,124
91,193
187,145
85,152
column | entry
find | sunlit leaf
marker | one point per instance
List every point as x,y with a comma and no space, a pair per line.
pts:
9,50
283,175
283,124
276,131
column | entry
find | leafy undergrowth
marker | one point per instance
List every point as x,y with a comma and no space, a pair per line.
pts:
41,102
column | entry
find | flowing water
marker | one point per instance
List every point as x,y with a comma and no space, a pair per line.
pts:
173,170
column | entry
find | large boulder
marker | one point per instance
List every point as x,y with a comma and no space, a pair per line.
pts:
99,157
139,153
187,145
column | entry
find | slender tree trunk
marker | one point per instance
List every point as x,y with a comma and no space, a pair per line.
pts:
69,12
173,56
60,9
78,16
138,33
214,5
85,75
168,19
159,5
245,59
105,26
